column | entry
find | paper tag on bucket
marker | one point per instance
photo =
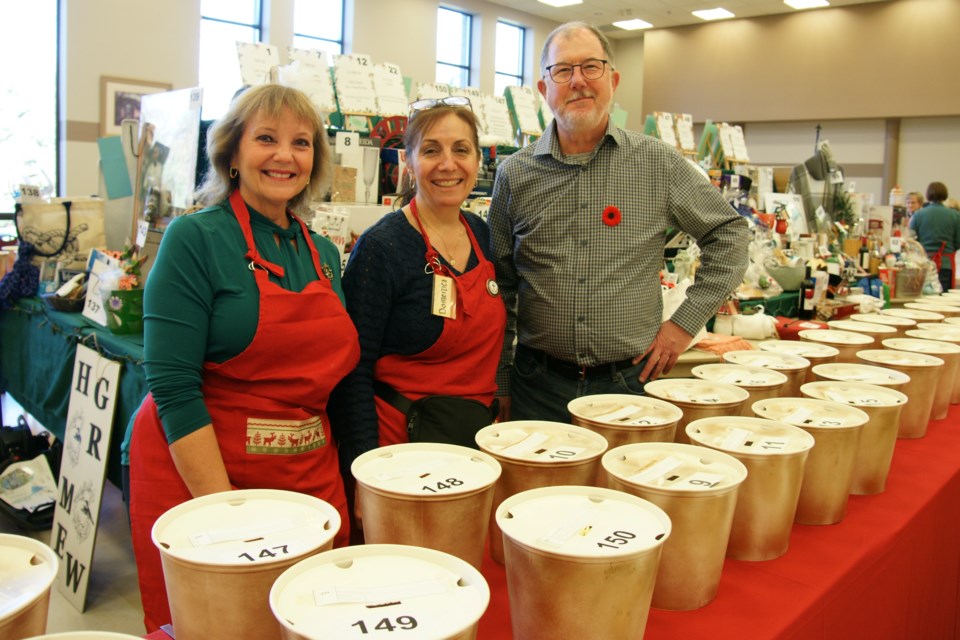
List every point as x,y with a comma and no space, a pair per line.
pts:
619,415
799,416
655,471
525,446
391,593
735,438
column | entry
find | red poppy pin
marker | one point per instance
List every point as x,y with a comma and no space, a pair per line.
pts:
611,216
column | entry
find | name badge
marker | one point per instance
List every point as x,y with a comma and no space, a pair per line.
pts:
444,296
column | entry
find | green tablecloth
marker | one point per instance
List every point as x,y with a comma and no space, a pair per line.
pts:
37,349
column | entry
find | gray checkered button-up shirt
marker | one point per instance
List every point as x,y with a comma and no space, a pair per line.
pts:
588,292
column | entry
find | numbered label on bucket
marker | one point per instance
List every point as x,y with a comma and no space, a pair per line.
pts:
559,453
267,553
440,486
385,625
773,444
616,539
704,480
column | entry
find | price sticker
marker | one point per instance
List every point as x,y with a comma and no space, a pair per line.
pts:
655,471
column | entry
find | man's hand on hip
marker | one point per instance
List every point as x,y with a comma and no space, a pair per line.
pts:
666,347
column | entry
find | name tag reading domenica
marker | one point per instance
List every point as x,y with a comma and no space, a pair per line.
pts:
444,297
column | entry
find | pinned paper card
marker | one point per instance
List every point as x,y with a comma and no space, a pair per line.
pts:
432,90
523,106
499,126
256,59
352,74
309,71
684,125
391,92
665,127
476,103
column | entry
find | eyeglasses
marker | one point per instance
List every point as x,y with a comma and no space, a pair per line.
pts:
432,103
591,70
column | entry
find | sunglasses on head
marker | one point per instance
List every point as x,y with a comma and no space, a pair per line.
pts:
431,103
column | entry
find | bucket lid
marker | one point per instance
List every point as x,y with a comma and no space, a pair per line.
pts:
942,332
920,345
857,394
541,442
800,348
870,374
740,375
835,336
624,410
943,309
239,528
889,320
426,469
949,321
897,358
27,569
339,593
869,328
583,522
808,412
914,314
672,466
693,391
767,359
750,436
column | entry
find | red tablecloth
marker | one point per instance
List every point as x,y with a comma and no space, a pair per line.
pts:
889,570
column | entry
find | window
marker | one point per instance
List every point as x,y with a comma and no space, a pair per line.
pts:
318,24
509,56
28,109
222,24
453,47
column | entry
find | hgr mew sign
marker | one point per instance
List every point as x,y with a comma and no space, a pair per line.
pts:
86,443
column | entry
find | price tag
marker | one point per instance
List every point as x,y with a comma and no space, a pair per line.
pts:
93,304
29,193
347,142
735,438
655,471
143,226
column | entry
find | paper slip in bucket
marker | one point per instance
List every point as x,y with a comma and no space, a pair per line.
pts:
793,366
437,496
900,324
697,488
774,454
222,552
760,383
921,389
815,352
828,473
868,374
846,342
949,373
27,570
535,453
698,399
625,419
380,590
581,562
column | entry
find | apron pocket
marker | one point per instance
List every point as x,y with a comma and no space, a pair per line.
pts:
284,437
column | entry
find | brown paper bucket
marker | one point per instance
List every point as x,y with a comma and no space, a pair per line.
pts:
846,342
411,493
697,488
872,329
828,473
815,352
877,437
698,399
27,571
945,310
86,635
624,419
222,552
946,380
760,383
900,324
865,373
538,453
372,590
793,366
774,454
917,315
942,333
923,371
581,562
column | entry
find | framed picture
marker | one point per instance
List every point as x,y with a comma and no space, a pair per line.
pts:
120,100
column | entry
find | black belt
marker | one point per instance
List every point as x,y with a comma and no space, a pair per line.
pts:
572,369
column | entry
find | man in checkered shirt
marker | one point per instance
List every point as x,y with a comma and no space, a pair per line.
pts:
578,222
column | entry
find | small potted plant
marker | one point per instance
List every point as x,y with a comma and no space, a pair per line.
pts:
122,292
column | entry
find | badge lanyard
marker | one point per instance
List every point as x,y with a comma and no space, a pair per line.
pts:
444,281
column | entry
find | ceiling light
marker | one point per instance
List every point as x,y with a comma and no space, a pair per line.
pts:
806,4
711,14
561,3
631,25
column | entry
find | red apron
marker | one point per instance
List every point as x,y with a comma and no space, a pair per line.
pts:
463,361
268,409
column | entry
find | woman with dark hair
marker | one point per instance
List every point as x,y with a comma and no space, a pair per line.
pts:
938,230
422,292
245,331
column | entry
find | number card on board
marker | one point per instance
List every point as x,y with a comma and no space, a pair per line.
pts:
476,103
739,144
684,124
309,71
665,128
391,93
726,142
523,104
432,90
256,60
352,74
86,444
499,125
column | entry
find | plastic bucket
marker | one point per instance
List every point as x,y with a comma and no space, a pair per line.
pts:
828,474
815,352
774,454
222,552
698,399
375,590
625,419
412,493
877,437
865,373
944,334
793,366
697,488
900,324
946,380
846,342
923,371
581,562
534,454
27,570
760,383
917,315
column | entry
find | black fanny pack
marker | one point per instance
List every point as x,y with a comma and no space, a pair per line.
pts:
443,419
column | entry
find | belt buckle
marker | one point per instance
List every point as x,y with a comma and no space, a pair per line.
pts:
583,372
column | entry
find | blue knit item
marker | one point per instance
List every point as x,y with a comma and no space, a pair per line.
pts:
23,280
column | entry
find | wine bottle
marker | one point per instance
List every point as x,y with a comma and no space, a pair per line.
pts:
805,308
864,257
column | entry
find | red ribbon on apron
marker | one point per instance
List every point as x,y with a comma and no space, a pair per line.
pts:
463,361
268,409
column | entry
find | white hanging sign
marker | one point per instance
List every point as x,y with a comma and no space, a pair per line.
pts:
499,125
665,128
739,143
477,104
525,110
684,124
309,71
390,90
432,90
256,59
352,74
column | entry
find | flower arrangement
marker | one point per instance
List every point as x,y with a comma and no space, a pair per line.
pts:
126,276
121,288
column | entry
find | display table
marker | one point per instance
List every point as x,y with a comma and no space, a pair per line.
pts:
888,570
37,349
